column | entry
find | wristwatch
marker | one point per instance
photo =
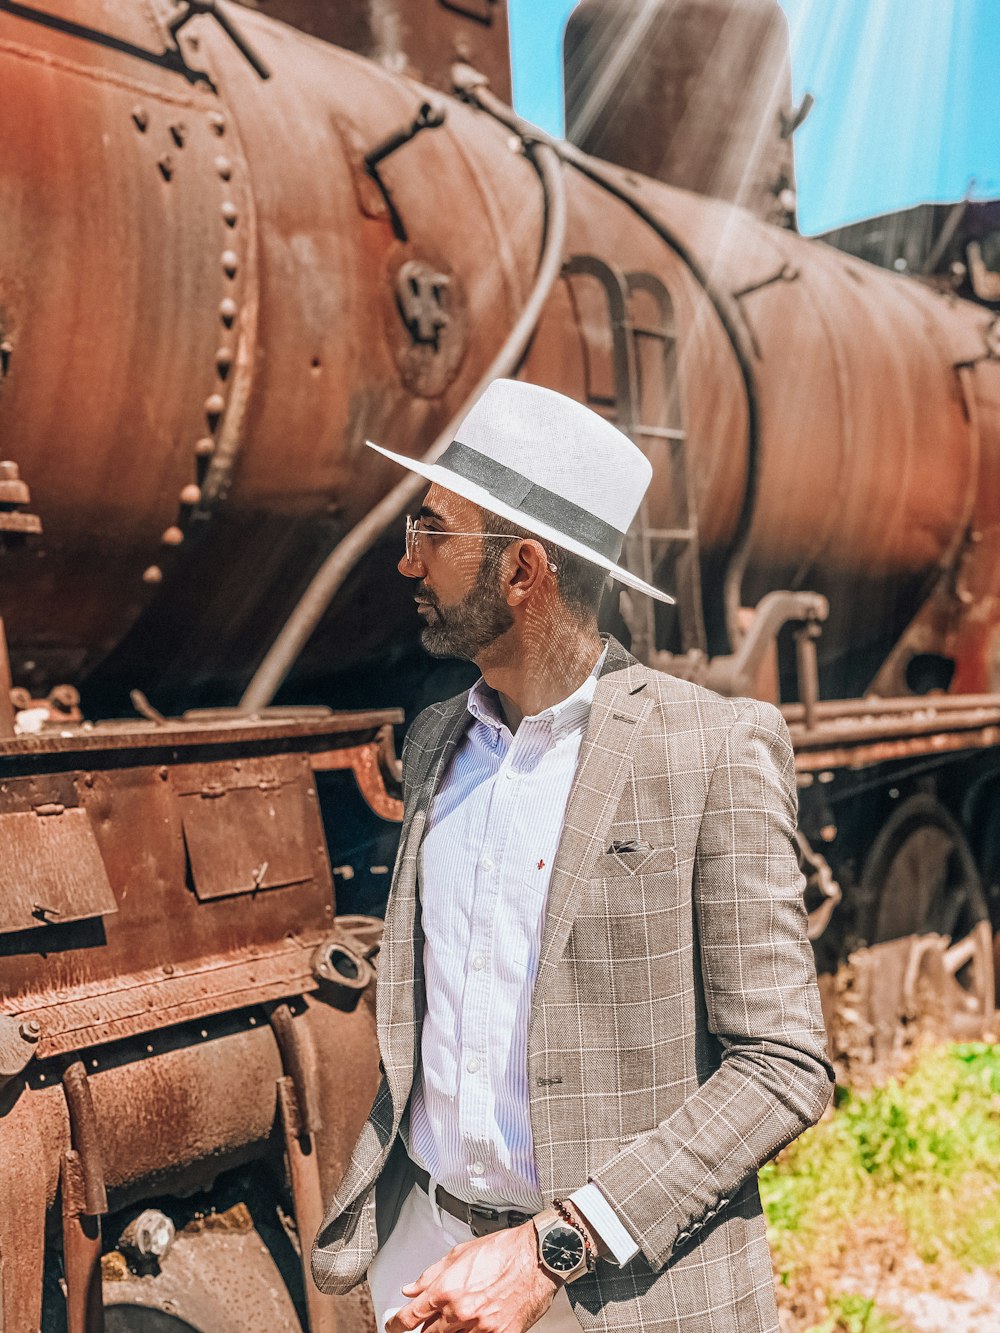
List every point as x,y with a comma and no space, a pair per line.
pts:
562,1249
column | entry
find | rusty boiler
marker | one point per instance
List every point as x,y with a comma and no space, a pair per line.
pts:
231,252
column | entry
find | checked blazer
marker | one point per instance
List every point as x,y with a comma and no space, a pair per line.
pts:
675,1040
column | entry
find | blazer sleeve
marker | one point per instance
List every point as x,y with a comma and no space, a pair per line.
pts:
760,996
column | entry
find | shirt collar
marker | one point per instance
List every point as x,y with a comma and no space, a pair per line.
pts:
568,715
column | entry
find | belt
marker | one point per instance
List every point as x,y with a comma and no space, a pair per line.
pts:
479,1218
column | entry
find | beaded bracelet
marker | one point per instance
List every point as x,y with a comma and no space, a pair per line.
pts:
572,1220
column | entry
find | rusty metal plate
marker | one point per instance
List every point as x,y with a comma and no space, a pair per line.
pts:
250,830
51,870
90,1014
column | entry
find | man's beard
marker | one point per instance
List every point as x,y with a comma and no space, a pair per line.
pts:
476,622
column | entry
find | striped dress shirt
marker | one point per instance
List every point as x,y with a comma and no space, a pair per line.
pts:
493,832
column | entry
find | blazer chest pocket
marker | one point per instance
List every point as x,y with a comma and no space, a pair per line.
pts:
628,859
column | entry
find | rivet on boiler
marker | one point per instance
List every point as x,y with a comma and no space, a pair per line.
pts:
205,447
228,310
223,360
224,167
190,494
230,263
154,574
217,122
141,118
172,536
229,213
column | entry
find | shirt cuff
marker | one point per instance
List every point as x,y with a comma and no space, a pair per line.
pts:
598,1214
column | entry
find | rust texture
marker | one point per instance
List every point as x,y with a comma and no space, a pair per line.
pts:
271,249
270,434
81,1251
307,1192
421,38
153,973
86,1141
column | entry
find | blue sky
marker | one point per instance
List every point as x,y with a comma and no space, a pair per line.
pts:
906,98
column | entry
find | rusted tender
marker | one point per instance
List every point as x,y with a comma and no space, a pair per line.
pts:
179,999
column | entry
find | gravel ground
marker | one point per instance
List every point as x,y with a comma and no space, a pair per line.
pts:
880,1265
931,1299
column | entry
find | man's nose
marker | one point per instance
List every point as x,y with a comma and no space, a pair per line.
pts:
411,569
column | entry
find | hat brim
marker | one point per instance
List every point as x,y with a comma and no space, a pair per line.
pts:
451,481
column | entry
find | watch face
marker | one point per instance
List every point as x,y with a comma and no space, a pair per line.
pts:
562,1249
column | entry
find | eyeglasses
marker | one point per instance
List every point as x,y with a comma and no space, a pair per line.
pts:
415,533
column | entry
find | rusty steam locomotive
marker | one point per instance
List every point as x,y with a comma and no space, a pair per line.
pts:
231,250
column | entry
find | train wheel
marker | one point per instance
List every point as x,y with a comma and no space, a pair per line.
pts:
922,880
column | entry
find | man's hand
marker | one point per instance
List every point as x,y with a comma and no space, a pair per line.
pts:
490,1285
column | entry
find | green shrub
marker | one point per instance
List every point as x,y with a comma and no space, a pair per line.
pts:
923,1152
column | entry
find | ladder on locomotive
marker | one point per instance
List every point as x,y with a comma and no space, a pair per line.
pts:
650,552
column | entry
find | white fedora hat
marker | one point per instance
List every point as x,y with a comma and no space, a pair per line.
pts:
550,465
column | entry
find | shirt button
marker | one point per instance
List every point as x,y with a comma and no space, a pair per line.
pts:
478,1168
478,963
472,1065
488,863
509,774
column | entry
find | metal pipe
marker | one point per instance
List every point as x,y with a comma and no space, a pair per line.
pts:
874,707
855,756
808,671
471,85
85,1137
307,1195
6,684
81,1251
293,1061
847,731
328,579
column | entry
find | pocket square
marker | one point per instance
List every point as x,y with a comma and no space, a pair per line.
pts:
634,856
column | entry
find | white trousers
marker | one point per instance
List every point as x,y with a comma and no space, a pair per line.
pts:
423,1234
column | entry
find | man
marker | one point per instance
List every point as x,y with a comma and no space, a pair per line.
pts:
597,1007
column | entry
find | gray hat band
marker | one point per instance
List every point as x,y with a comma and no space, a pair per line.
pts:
534,501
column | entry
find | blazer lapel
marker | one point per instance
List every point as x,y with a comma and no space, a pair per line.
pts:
621,706
399,995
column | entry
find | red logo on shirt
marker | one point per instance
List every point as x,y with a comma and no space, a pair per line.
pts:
541,865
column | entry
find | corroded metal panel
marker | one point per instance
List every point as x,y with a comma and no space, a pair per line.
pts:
169,845
251,828
51,870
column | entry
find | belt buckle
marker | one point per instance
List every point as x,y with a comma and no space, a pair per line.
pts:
480,1218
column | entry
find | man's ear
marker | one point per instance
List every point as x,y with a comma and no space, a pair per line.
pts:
528,572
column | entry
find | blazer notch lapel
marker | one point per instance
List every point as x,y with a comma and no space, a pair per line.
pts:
398,1015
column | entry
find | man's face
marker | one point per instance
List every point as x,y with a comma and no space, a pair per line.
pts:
458,595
